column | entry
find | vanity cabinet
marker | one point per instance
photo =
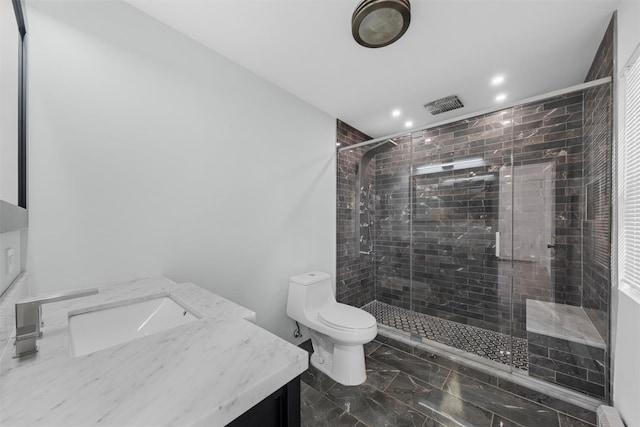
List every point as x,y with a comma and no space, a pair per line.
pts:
281,409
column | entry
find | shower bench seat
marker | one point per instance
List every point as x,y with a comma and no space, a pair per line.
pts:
565,347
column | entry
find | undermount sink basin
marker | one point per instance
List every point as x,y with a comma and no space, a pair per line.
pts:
94,330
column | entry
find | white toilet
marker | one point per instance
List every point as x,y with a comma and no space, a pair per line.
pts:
338,331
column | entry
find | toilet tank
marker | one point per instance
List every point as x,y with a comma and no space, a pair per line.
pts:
308,293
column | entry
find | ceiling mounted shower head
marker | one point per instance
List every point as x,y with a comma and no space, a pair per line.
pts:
378,23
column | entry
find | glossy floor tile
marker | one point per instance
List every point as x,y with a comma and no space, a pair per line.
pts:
403,389
318,411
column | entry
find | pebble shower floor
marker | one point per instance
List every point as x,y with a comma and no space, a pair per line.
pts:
474,340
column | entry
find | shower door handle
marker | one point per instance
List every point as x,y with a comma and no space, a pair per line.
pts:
497,244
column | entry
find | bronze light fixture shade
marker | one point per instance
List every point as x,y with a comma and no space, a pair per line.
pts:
378,23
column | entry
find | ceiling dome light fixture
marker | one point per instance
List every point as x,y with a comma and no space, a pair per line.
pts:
378,23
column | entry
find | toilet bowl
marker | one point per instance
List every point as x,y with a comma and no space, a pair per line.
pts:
338,331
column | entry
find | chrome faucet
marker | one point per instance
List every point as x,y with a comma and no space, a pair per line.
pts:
29,318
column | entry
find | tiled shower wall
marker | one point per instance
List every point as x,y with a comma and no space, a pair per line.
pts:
597,223
596,278
389,206
456,274
597,174
354,275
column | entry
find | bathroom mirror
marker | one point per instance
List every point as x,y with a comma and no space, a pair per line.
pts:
13,125
12,105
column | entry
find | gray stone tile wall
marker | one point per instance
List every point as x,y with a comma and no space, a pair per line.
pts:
456,274
354,273
597,221
570,364
596,278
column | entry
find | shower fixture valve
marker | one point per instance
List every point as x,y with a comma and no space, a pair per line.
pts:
367,252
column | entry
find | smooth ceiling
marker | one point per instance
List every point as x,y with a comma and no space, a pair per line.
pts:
452,47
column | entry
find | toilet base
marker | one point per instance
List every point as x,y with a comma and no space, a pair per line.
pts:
342,363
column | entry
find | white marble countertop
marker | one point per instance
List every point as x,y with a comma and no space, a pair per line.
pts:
206,372
562,321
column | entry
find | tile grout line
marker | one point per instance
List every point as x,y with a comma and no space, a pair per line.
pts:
445,380
384,390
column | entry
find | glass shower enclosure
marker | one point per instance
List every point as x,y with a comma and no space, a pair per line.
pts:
489,236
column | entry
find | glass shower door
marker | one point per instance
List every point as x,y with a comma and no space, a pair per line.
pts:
462,258
388,222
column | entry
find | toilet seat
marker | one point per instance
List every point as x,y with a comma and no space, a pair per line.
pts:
346,317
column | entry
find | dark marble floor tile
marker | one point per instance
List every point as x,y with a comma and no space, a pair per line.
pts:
498,421
501,402
455,366
430,422
373,407
316,379
370,347
307,346
412,365
567,421
379,374
318,411
557,404
444,407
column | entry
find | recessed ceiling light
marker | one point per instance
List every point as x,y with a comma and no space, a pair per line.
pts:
501,97
396,113
497,80
408,124
428,140
337,144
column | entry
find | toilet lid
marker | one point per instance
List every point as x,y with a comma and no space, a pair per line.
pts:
346,317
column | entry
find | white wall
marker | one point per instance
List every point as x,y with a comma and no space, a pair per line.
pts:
9,42
150,154
626,342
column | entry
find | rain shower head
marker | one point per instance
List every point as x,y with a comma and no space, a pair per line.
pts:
385,145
